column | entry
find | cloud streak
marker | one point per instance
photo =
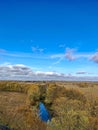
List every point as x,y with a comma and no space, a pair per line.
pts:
71,55
37,49
81,72
94,57
23,55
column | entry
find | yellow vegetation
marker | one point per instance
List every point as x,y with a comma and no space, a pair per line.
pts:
70,107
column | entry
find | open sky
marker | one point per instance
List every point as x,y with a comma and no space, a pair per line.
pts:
49,39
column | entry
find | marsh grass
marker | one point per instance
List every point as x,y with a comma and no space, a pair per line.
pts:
72,108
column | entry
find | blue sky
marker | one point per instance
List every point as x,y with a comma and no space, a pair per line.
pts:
51,37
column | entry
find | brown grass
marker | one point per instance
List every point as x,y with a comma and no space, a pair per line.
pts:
19,100
9,101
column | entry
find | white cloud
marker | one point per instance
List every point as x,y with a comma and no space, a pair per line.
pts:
81,72
94,57
23,72
69,54
37,49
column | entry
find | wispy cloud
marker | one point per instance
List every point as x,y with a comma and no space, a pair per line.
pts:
57,62
59,58
37,49
72,54
86,73
23,54
62,45
69,54
94,57
3,51
81,72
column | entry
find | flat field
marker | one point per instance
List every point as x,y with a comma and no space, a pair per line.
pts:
72,105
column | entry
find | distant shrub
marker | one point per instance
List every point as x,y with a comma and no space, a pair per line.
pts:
75,94
33,94
85,85
42,91
14,87
50,93
54,91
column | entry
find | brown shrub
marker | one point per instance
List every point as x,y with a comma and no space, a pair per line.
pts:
75,94
93,123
